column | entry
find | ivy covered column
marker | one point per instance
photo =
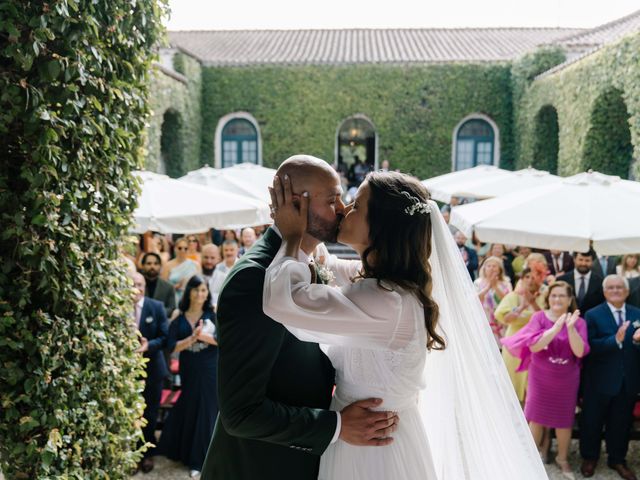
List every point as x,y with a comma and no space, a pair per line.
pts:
73,105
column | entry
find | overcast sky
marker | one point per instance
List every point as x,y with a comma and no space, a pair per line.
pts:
296,14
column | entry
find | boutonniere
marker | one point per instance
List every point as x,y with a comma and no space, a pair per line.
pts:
148,319
325,274
636,324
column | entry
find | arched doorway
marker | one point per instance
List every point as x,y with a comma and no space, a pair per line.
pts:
356,148
608,147
171,144
475,142
545,148
239,143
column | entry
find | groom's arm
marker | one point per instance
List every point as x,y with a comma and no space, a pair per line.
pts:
249,345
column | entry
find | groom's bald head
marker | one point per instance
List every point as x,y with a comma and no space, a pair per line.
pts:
306,172
313,175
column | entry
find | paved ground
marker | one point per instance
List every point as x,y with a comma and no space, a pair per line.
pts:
168,470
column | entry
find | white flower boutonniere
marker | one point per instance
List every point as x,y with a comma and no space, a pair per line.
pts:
148,319
325,274
636,324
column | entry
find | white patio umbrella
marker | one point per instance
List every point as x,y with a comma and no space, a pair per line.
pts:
443,187
567,215
170,206
487,182
243,179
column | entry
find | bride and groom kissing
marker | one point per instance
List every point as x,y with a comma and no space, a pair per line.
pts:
419,390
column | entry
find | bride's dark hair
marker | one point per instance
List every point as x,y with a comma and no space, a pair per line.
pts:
401,242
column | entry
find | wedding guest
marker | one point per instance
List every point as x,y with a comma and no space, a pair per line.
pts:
190,423
498,250
230,235
229,258
157,288
514,311
551,347
492,285
634,292
210,258
481,248
559,262
586,284
469,255
611,380
629,267
193,250
604,265
518,261
249,237
151,321
180,269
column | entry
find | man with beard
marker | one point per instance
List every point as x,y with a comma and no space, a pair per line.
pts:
209,258
586,284
157,288
274,391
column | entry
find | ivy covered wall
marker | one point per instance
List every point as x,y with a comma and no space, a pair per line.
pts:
578,93
180,103
414,108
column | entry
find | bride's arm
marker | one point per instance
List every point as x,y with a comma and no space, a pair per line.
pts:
343,270
356,315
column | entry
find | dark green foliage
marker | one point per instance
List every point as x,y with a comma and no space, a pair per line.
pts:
527,68
608,146
414,108
73,90
545,148
171,144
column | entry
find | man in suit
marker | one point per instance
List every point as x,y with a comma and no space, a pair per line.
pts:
559,262
611,378
151,321
605,265
469,255
157,288
274,391
586,283
634,292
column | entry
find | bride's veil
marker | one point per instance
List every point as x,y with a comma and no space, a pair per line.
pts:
474,423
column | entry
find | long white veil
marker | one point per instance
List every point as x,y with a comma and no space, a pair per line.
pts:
475,425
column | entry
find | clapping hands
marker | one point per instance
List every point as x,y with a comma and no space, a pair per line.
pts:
622,331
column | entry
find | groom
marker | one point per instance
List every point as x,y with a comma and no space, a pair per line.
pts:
274,391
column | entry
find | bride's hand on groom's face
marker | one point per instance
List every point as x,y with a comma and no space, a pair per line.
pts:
288,210
364,427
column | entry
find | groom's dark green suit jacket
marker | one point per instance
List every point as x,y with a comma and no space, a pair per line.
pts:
273,390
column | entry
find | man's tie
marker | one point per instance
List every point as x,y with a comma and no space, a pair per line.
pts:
619,319
557,261
582,291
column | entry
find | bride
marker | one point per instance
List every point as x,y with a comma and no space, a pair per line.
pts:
402,324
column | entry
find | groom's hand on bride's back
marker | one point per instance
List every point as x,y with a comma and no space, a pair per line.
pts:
365,427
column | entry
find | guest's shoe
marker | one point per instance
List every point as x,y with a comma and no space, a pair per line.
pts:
588,468
194,474
565,468
146,465
624,471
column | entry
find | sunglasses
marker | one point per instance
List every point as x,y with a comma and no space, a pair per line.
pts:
193,240
181,248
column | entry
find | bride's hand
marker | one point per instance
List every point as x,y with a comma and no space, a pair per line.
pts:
288,210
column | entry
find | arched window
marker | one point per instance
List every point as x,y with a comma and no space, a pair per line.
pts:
239,142
546,143
171,144
356,148
475,143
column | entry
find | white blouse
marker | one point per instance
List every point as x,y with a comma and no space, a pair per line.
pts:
361,314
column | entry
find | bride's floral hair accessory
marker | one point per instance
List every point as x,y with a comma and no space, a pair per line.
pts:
417,205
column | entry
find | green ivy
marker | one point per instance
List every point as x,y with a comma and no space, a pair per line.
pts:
73,105
608,146
184,98
577,92
545,148
413,108
171,147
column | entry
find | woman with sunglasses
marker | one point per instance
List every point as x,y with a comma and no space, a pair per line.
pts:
193,248
179,270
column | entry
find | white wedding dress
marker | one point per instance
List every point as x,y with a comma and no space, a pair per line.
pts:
376,340
460,418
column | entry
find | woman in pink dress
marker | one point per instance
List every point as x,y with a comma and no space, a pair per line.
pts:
551,347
